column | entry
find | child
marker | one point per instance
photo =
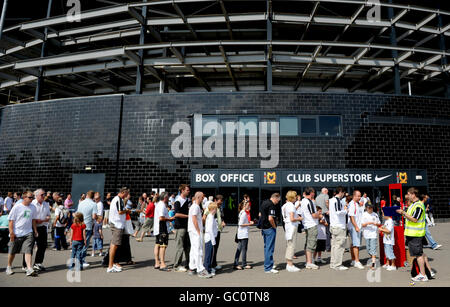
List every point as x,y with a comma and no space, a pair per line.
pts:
369,223
321,238
389,242
242,236
78,239
211,229
98,237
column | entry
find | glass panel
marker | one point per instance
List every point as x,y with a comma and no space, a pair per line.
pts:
330,125
288,125
209,126
309,126
248,126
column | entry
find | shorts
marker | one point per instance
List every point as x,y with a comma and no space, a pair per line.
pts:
389,251
311,239
22,245
98,244
162,239
106,214
148,224
415,246
321,245
371,245
356,237
116,235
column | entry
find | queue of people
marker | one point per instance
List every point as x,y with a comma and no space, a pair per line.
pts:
197,223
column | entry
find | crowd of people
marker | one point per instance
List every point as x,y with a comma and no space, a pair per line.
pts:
197,223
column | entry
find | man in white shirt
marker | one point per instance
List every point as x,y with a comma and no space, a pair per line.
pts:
338,229
98,202
8,203
117,216
89,209
42,220
160,230
354,226
22,230
310,221
195,230
182,243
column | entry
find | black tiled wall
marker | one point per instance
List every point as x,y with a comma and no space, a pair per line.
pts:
42,144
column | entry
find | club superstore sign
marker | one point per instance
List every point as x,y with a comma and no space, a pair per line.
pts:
304,177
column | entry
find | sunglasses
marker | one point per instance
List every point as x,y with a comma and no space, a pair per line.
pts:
30,197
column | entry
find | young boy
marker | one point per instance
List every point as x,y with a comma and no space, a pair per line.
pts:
370,223
98,237
389,242
321,238
211,229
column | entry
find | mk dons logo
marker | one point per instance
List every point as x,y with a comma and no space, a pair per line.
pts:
270,177
402,178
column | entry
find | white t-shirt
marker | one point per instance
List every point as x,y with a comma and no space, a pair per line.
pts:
356,211
305,211
370,231
321,231
160,210
195,212
337,213
289,227
23,217
211,229
242,232
118,220
389,238
42,211
100,208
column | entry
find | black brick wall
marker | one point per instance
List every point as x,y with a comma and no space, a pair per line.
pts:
42,144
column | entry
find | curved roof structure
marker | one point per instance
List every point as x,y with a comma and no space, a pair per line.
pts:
226,45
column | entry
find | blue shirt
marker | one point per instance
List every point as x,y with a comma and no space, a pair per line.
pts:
97,228
88,207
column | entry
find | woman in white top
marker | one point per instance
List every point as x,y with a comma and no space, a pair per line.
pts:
291,220
242,237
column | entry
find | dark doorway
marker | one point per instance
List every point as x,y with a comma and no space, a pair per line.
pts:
82,183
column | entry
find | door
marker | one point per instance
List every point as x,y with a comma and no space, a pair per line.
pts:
82,183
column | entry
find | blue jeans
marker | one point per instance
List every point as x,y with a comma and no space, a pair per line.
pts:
269,236
77,252
89,234
209,251
429,237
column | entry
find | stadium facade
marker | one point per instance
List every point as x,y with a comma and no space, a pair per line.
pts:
359,91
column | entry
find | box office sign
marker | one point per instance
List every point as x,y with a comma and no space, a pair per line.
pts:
306,177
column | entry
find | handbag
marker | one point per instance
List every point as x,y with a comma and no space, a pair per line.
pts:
129,227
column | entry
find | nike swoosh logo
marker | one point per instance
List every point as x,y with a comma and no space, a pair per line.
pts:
381,178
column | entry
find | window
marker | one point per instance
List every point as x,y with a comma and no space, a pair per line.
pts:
330,125
248,126
288,126
309,126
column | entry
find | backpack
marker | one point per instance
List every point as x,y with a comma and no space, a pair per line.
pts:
63,216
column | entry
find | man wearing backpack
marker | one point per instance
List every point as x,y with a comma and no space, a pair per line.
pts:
60,224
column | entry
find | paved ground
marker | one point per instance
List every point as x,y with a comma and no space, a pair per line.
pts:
143,274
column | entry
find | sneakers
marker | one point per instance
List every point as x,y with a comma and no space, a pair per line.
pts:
38,267
112,270
213,271
391,268
118,268
292,268
9,270
385,266
437,246
180,269
218,267
319,260
92,255
273,271
204,274
312,266
358,265
24,269
31,272
101,255
192,273
432,274
86,265
352,263
341,268
419,277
